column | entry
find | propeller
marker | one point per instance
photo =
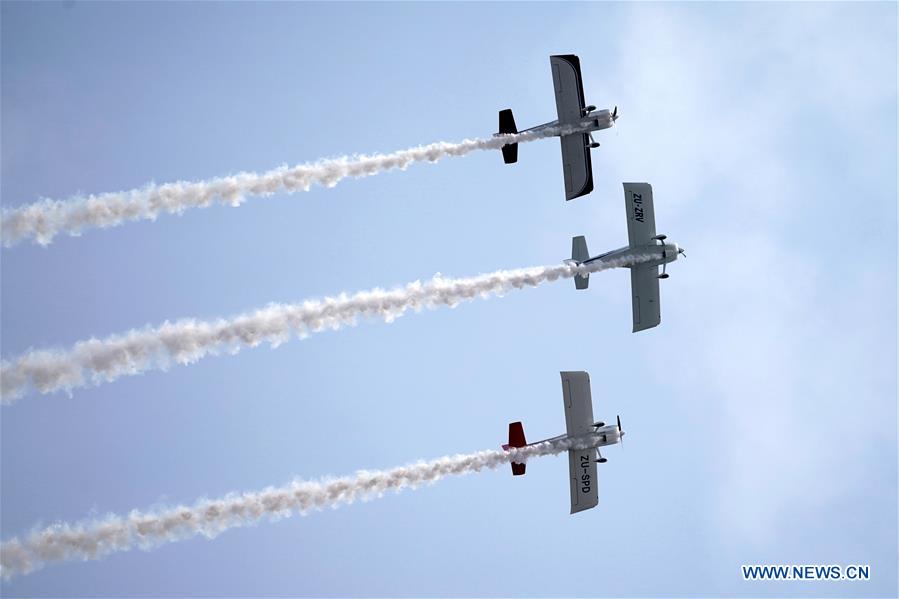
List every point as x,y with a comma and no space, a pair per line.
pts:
615,121
620,432
682,252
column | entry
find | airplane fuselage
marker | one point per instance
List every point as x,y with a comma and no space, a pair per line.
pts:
668,252
602,436
593,121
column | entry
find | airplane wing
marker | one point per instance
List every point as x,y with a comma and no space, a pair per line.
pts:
641,228
582,471
569,87
641,216
579,421
576,164
645,290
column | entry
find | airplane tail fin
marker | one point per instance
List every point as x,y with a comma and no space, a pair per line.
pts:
507,125
579,253
516,439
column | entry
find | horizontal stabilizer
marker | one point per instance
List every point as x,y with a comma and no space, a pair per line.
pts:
507,125
579,254
510,153
579,251
507,121
516,439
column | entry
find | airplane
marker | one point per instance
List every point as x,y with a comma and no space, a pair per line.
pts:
578,423
571,110
641,234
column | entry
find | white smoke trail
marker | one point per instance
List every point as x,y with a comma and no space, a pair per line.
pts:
94,539
44,219
186,341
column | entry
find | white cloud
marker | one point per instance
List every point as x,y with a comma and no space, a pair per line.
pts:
719,123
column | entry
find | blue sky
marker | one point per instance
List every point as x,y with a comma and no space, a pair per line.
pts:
761,414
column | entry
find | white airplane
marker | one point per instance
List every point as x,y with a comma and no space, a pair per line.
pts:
578,424
572,110
642,238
